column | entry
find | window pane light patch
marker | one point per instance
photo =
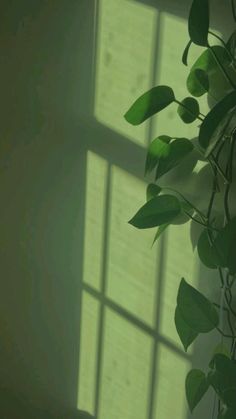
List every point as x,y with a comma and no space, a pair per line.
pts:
88,353
125,374
170,379
96,183
131,261
125,49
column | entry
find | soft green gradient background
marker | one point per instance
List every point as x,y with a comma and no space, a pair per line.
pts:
86,306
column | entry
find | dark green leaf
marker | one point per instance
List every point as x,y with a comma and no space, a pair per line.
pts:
224,245
178,150
159,210
196,385
186,334
206,251
185,53
152,191
157,149
188,110
231,44
149,104
227,414
198,22
198,312
214,118
198,82
223,379
219,349
159,232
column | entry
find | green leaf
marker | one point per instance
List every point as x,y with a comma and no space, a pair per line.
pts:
188,110
185,53
177,151
186,334
198,82
156,150
227,414
206,251
198,22
219,349
159,210
224,246
197,311
150,103
231,44
214,118
196,386
152,191
218,84
159,232
223,379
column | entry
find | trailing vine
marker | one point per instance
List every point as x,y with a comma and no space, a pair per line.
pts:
195,314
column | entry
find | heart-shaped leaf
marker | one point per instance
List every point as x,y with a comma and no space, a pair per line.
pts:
185,53
152,191
198,82
198,22
159,210
150,103
197,311
177,151
188,110
223,379
196,386
215,117
206,251
186,334
224,246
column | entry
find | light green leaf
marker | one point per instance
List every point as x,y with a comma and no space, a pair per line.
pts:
214,118
198,22
152,191
185,53
198,82
159,210
177,151
156,150
198,312
218,84
159,232
206,251
186,334
150,103
188,110
196,386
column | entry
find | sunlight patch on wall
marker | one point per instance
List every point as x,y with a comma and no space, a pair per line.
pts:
126,364
125,49
96,183
88,353
171,373
172,72
131,262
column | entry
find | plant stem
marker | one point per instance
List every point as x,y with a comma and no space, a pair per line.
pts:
223,43
224,334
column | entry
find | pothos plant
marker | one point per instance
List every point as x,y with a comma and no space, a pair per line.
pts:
214,74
